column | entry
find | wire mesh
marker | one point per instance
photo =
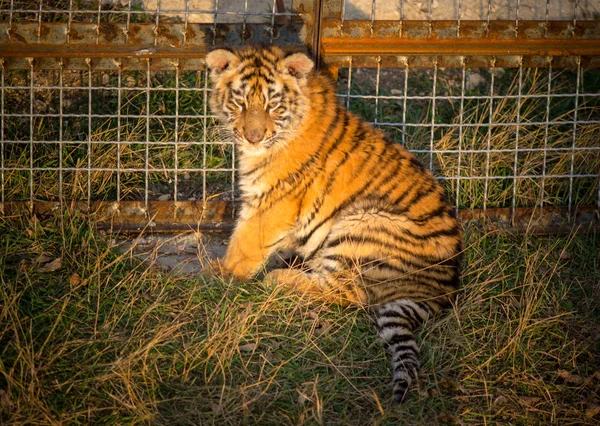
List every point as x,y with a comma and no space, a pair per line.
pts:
496,137
101,135
101,129
153,11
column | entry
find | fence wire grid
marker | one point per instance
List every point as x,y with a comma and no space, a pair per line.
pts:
116,127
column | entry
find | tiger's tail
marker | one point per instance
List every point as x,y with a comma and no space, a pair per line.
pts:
395,322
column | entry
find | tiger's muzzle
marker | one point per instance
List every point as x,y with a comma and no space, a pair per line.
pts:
255,125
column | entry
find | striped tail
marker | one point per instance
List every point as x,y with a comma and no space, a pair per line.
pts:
395,322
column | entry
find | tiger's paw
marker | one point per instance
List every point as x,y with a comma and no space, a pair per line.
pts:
214,269
284,278
294,281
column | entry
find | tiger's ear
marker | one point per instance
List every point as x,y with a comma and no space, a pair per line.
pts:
297,65
219,60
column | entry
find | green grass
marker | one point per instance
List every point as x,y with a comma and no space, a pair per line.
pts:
100,338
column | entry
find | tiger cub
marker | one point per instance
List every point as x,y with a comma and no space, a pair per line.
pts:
371,224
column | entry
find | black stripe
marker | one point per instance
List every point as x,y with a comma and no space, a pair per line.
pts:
422,275
398,200
338,140
404,352
400,387
405,361
356,239
394,324
417,164
426,217
451,232
426,306
412,313
276,243
410,317
400,338
371,263
419,194
347,202
367,263
397,292
258,167
340,259
415,241
246,74
328,268
336,167
380,158
394,314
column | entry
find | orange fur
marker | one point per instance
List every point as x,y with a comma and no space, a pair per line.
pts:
371,223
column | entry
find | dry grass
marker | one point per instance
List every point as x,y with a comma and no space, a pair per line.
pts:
96,337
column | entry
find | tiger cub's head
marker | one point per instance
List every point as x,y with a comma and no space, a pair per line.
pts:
259,94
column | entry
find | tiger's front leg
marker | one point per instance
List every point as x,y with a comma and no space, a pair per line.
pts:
255,238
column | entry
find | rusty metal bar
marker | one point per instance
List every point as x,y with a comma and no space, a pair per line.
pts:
546,221
364,46
217,216
159,216
420,43
478,44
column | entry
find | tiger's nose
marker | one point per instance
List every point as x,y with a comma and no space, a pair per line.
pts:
254,135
